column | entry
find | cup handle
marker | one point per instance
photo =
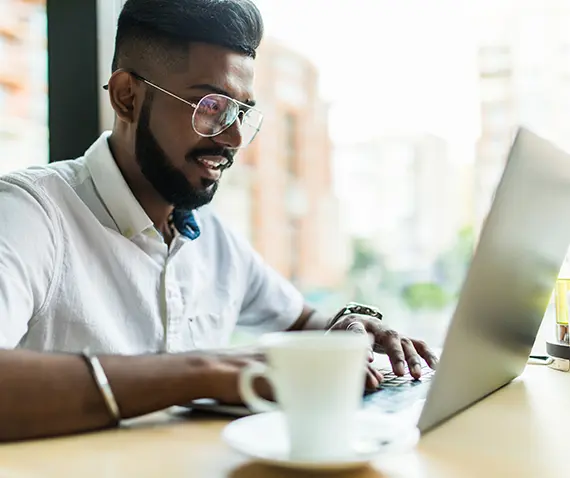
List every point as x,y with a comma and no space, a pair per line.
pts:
247,392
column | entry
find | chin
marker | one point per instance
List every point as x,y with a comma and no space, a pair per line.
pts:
208,184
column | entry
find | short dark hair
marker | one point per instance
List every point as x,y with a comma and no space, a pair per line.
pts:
151,29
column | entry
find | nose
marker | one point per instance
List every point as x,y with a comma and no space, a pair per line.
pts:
231,137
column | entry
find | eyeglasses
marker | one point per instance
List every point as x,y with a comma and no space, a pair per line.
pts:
215,113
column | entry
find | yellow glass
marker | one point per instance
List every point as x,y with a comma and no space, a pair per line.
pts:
561,300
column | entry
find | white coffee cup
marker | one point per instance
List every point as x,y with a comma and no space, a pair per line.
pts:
318,381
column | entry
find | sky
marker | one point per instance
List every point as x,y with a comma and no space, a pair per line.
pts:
414,60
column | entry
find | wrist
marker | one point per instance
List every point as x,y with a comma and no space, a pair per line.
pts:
317,321
202,371
355,309
216,375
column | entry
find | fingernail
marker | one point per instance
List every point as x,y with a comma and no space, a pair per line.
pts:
417,370
400,368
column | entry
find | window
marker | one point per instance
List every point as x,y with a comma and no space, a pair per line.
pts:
290,142
23,84
295,195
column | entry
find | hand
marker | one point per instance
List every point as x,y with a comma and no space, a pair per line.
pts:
373,379
400,349
223,371
225,367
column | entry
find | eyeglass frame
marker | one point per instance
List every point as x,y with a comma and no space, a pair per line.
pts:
195,106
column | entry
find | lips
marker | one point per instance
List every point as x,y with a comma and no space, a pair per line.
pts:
211,166
214,163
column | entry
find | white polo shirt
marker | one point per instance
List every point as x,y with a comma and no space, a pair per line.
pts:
81,264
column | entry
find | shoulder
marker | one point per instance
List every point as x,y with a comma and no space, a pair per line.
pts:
45,184
31,222
50,177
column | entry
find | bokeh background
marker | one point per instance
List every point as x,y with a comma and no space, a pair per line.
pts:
387,127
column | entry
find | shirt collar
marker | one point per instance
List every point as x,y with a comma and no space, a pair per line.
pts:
126,211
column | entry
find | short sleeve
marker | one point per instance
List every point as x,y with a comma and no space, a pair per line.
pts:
27,259
271,302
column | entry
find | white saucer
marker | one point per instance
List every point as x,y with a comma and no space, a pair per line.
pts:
263,438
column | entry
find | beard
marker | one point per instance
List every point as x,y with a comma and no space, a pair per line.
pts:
167,180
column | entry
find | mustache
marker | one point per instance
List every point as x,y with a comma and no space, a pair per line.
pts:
226,153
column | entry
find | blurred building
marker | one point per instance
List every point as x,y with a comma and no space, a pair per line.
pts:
437,196
23,83
498,119
524,73
405,194
280,193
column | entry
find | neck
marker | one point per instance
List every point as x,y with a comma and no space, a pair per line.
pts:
157,209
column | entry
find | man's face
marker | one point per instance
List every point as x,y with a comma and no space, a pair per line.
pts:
169,152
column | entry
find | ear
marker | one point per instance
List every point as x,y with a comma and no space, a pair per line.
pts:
124,93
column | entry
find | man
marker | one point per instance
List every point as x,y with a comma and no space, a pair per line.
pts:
117,250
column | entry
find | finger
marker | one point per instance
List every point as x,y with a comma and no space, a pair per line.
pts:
392,345
376,373
425,352
372,383
358,328
412,357
263,388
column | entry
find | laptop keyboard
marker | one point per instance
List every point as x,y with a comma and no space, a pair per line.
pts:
396,393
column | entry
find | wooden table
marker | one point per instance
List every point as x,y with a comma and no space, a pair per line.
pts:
522,430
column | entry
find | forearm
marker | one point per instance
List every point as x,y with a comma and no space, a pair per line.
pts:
310,319
55,394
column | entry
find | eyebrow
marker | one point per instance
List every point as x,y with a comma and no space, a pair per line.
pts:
220,91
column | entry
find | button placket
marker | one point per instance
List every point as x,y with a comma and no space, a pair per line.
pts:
173,309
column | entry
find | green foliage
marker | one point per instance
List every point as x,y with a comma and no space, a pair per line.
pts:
425,295
364,256
369,276
452,265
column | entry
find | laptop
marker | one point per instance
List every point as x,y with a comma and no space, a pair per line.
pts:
504,296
